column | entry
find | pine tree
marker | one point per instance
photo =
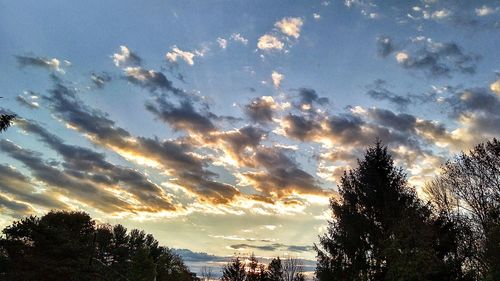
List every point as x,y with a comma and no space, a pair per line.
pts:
275,270
380,229
234,271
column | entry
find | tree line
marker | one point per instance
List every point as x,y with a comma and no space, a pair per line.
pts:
381,229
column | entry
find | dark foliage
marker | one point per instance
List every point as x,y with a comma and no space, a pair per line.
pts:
68,246
467,193
6,121
382,231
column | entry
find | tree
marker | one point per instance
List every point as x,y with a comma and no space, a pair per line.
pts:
234,271
381,230
68,246
6,121
206,273
467,192
253,270
275,270
292,270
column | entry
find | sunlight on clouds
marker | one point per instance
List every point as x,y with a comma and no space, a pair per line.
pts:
269,42
495,87
290,26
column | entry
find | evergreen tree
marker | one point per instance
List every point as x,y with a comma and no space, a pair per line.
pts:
275,270
380,229
234,271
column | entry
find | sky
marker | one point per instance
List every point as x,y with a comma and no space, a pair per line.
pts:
223,127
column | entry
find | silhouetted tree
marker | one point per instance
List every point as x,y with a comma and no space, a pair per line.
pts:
468,193
292,270
275,270
381,230
68,246
234,271
206,273
6,121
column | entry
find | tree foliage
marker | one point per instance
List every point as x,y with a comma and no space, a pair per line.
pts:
69,246
6,121
237,270
468,193
381,230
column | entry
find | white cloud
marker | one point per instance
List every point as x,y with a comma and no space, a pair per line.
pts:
269,42
125,57
401,57
316,16
277,78
290,26
484,11
238,38
441,14
222,42
495,87
186,56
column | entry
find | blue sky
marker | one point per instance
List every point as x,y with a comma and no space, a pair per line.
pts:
224,126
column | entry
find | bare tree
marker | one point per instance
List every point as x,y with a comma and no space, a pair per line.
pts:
206,273
292,269
468,193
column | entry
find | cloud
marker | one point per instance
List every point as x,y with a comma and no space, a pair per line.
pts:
173,157
150,80
261,110
385,46
101,79
93,167
83,191
281,176
126,58
18,186
222,42
434,59
273,247
269,42
485,11
379,92
50,64
290,26
28,99
183,117
190,256
277,78
237,37
17,209
316,16
187,56
495,87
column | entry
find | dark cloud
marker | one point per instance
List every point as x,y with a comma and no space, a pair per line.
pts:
86,164
183,117
17,209
151,80
300,127
175,157
41,62
84,191
309,96
385,46
19,186
190,256
261,110
100,79
379,92
281,176
434,59
273,247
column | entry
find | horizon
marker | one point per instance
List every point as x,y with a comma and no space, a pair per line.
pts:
223,127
